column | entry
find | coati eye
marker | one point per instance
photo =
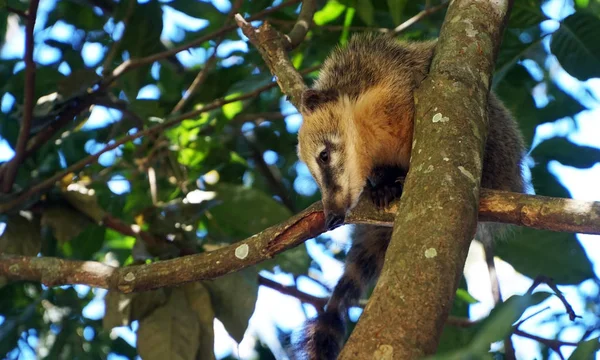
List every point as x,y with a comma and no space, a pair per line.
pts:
324,157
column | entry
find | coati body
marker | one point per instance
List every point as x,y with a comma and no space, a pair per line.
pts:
356,135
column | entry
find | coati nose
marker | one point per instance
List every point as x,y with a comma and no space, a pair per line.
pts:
333,221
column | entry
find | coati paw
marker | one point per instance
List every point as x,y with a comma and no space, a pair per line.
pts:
383,186
382,196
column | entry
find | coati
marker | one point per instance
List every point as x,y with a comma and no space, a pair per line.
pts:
356,136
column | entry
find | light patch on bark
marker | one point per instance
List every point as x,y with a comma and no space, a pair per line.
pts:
241,252
129,277
467,173
440,118
470,30
430,253
384,352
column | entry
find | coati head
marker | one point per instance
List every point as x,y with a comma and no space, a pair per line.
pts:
328,144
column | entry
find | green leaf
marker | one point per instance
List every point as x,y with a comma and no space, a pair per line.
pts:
365,11
575,44
171,332
499,323
65,222
546,183
567,153
198,9
497,326
246,211
514,49
22,236
86,202
586,350
525,14
582,3
557,255
117,310
144,303
199,299
397,10
331,11
233,299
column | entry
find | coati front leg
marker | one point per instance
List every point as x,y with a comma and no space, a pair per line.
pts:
383,185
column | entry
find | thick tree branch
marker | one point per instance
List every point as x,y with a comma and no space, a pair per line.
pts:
270,242
260,247
435,222
13,165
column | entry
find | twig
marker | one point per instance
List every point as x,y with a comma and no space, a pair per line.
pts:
13,10
131,64
271,45
264,245
318,302
413,20
13,166
555,345
300,29
208,66
274,181
546,280
291,23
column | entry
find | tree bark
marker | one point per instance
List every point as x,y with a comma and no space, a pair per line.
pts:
436,222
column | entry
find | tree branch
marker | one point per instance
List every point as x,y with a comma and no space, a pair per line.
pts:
262,246
135,63
318,302
13,165
300,29
415,19
13,10
271,45
424,262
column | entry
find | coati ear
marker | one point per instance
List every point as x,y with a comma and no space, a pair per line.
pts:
311,98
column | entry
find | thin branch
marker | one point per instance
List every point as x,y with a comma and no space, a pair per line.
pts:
273,180
13,166
13,10
262,246
413,20
198,80
300,29
129,65
208,65
546,280
291,23
551,343
318,302
271,45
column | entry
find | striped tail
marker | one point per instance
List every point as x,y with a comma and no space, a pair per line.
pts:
324,335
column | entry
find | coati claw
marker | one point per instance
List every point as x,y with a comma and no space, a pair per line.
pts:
383,185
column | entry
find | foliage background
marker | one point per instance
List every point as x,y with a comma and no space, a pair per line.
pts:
243,154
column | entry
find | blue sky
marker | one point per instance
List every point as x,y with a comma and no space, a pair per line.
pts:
275,308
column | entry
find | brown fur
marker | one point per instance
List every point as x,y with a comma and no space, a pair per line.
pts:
363,103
